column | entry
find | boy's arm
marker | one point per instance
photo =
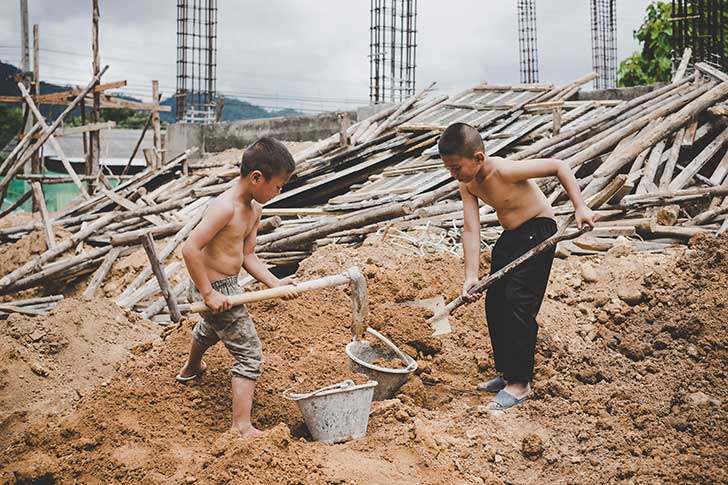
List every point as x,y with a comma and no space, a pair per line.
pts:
547,167
216,217
471,240
255,267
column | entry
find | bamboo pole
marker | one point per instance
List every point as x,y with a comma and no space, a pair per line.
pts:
148,244
605,172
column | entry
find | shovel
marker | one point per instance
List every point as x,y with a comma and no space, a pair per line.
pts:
440,321
352,277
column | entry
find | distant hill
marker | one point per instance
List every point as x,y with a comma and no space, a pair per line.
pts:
235,109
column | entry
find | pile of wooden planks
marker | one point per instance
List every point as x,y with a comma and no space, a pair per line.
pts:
669,147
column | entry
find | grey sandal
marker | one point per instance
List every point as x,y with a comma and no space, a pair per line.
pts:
504,400
493,385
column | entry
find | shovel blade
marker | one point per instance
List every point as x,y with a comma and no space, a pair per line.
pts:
440,325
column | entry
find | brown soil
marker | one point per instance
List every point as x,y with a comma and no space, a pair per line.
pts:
49,362
629,388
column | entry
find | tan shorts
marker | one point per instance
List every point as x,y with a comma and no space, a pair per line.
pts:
234,327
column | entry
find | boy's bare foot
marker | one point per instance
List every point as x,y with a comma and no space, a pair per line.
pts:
188,374
248,433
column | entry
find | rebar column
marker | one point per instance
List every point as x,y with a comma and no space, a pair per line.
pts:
392,49
604,43
528,49
196,61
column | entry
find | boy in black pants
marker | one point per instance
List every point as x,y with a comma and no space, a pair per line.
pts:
527,217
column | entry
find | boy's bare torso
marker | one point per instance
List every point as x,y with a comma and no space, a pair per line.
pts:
514,202
223,255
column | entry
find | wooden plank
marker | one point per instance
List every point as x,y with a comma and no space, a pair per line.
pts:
47,227
699,161
17,203
129,205
672,159
112,102
150,287
683,67
690,131
101,272
132,237
696,101
151,250
711,71
651,168
83,129
157,138
48,134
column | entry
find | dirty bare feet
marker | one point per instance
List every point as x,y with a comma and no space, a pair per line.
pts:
188,373
248,433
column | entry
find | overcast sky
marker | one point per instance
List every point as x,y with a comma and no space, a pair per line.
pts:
309,54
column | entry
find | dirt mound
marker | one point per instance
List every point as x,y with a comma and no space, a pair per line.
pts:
630,386
48,362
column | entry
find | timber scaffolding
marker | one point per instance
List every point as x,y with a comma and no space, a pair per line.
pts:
661,157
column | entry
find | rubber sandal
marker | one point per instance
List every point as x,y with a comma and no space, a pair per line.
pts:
504,400
494,385
185,380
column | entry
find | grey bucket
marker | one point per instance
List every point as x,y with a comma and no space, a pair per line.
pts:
336,413
361,355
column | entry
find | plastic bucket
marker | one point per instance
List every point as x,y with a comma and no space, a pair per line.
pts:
336,413
361,355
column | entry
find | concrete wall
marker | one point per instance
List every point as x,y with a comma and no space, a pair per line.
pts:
239,134
624,94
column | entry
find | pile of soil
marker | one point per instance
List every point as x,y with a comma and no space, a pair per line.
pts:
49,362
630,386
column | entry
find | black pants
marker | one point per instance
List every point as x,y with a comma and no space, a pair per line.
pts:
512,303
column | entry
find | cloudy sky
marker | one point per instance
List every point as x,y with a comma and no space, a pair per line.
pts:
309,54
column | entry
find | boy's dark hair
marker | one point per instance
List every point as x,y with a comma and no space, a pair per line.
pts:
460,139
269,156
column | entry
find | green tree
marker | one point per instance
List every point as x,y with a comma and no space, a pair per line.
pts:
654,63
11,122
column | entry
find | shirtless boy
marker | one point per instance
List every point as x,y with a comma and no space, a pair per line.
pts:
527,219
222,242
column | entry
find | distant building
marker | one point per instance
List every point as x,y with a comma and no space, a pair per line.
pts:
117,145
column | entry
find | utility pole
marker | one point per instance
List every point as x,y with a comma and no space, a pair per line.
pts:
92,157
24,42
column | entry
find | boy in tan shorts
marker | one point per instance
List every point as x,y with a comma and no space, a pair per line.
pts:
214,252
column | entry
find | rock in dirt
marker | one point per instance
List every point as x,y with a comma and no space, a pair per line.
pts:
631,296
589,273
622,247
38,369
532,446
700,399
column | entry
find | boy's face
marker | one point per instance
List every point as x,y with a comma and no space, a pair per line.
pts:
264,190
463,169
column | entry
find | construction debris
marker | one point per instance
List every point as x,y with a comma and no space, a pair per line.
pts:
383,175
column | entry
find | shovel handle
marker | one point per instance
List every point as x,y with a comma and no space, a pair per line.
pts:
484,283
278,292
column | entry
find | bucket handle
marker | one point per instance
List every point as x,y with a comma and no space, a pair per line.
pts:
390,344
339,385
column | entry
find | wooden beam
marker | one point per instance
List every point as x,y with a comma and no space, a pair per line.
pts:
17,203
76,130
47,227
683,67
157,138
48,132
101,273
112,102
699,161
151,250
125,203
